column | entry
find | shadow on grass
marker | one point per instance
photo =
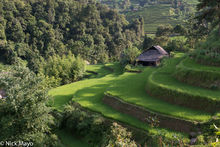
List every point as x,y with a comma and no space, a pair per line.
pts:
58,101
91,94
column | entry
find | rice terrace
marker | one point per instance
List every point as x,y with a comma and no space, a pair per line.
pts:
110,73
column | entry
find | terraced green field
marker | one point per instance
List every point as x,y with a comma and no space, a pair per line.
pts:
154,16
190,72
189,63
163,85
131,88
89,93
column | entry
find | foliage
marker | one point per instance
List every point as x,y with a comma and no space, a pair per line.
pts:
177,44
180,29
23,113
148,42
162,40
67,139
157,12
130,55
164,30
87,125
65,69
35,30
207,52
209,11
118,137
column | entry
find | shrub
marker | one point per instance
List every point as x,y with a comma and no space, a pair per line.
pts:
207,52
177,45
118,137
63,70
130,55
85,124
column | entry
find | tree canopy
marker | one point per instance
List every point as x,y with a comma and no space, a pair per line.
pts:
36,29
24,115
209,11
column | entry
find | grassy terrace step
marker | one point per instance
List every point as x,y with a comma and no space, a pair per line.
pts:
199,75
89,93
162,85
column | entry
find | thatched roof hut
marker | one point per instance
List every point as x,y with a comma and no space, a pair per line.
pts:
152,56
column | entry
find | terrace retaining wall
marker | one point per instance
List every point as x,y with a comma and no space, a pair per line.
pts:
141,114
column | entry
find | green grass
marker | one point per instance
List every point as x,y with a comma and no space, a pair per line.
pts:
69,140
164,78
163,85
190,72
131,88
89,93
189,63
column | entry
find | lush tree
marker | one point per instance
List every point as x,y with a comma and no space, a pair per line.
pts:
55,27
164,30
23,112
65,69
130,54
148,42
209,11
180,29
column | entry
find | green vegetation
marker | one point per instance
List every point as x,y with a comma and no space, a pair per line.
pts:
63,70
46,43
23,113
125,89
207,52
34,31
155,12
89,93
196,74
161,84
154,16
68,140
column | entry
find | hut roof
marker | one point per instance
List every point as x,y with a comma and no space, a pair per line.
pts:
154,53
160,50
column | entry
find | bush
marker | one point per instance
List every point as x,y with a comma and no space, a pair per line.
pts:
207,52
63,70
177,45
118,137
87,125
130,55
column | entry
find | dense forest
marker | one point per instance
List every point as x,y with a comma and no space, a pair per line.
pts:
34,31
